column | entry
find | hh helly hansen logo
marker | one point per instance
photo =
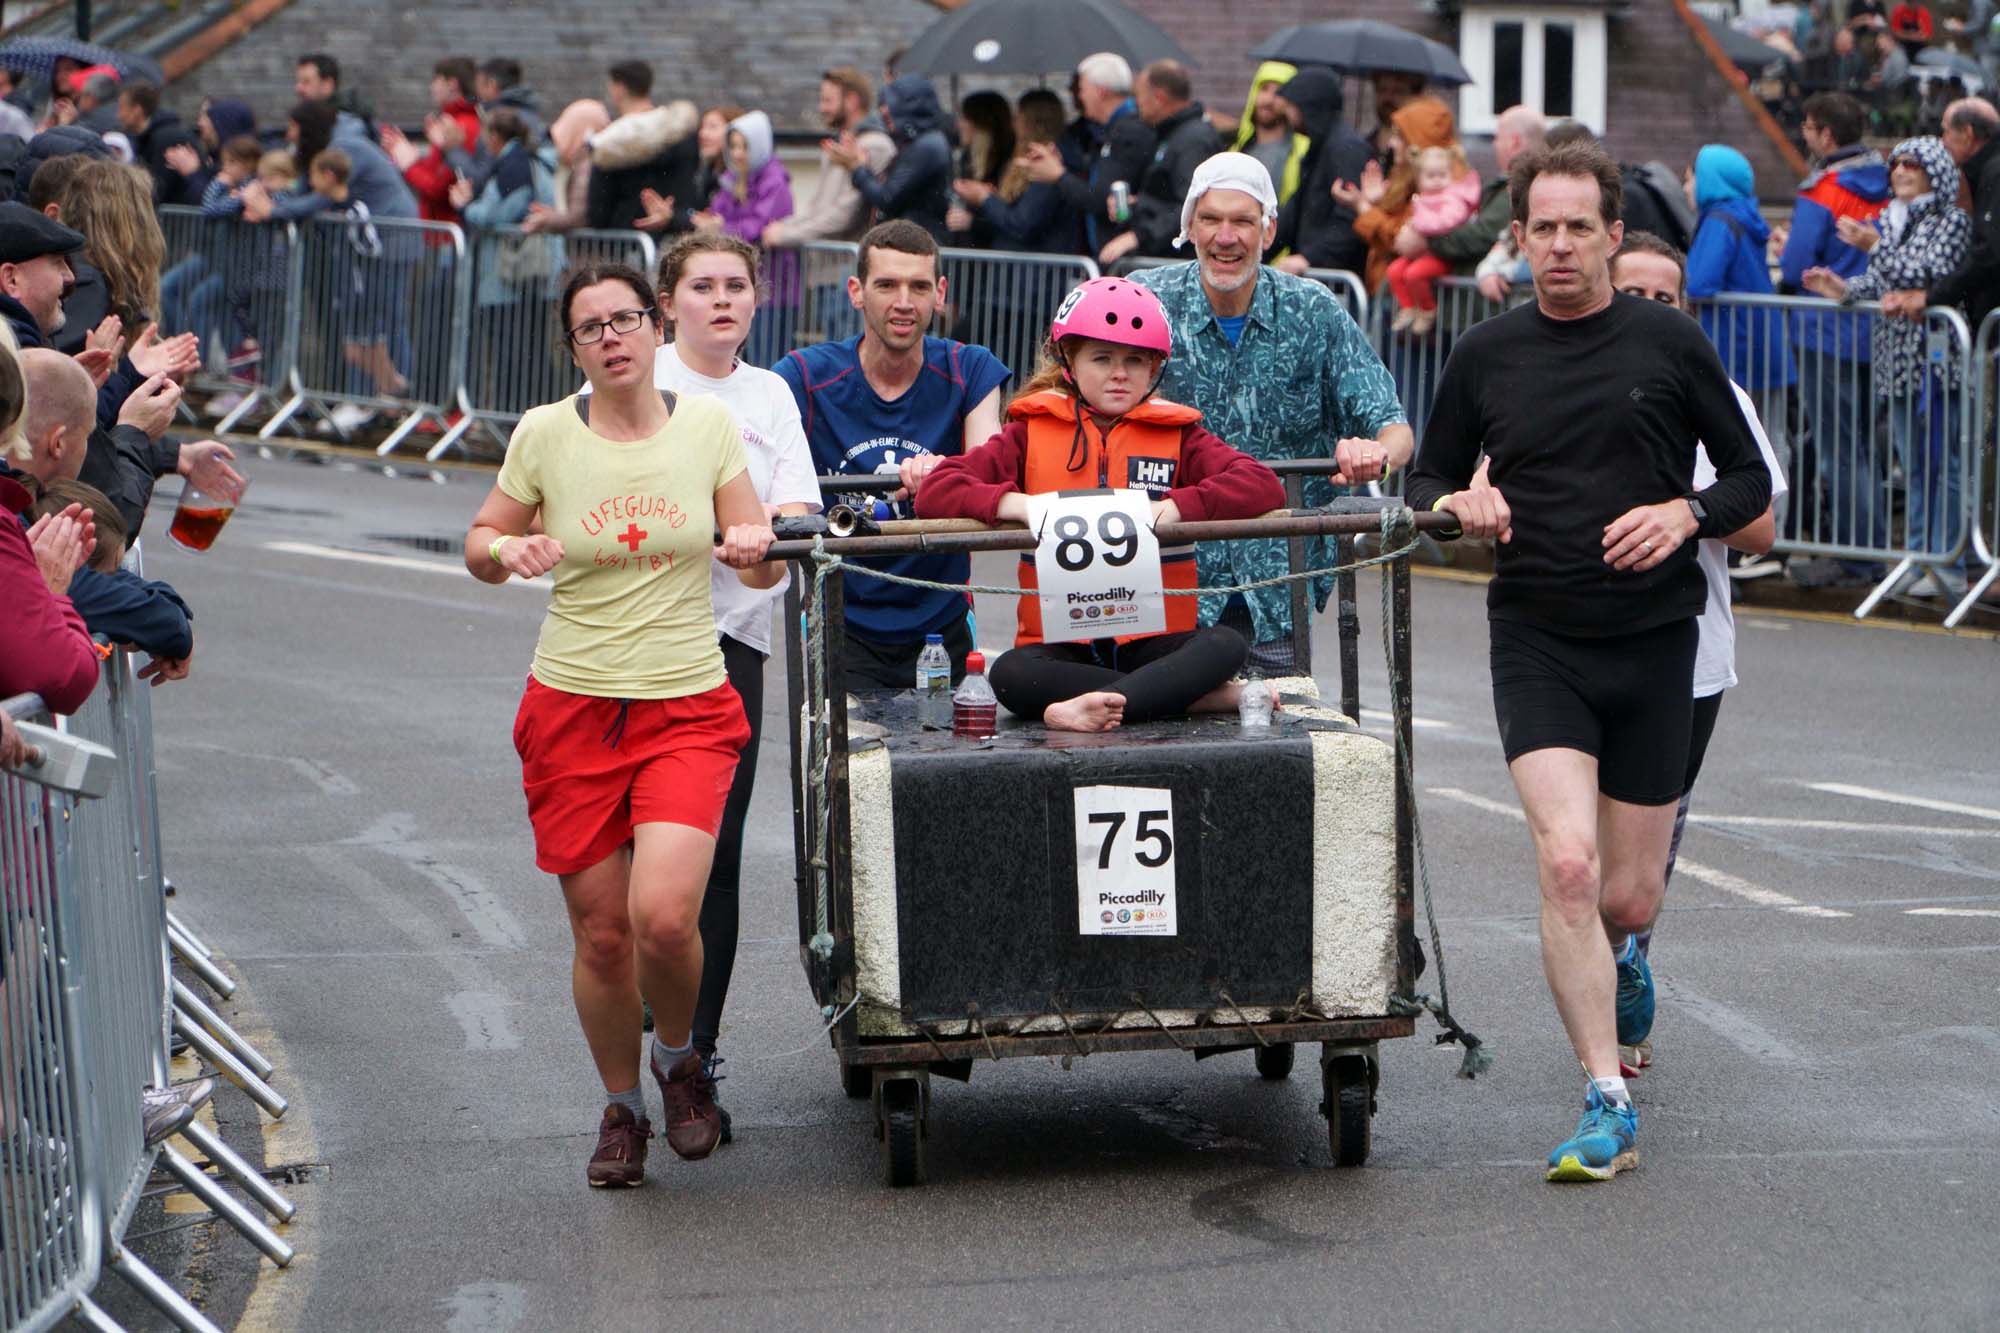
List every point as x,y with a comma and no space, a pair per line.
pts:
1152,475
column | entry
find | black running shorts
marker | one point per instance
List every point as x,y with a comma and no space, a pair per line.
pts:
1626,699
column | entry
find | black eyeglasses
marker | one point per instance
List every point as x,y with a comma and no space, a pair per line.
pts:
625,321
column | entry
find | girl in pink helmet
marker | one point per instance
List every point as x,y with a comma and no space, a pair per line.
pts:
1088,420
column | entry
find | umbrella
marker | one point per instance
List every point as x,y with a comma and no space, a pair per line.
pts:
1035,37
1364,46
1951,62
37,56
1744,51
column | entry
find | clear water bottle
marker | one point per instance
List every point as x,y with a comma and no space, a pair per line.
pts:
1253,708
975,711
934,683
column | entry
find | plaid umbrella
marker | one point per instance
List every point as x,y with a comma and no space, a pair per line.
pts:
37,56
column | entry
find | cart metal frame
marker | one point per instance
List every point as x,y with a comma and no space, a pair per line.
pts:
895,1073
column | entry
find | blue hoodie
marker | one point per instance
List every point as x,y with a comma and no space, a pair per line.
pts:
1850,183
1728,256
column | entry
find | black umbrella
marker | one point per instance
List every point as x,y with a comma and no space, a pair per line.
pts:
37,56
1364,46
1035,37
1744,51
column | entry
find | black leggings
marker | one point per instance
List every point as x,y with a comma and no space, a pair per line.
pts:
1160,675
719,917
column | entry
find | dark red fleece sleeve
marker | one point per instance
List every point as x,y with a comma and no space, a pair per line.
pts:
970,485
1220,481
44,648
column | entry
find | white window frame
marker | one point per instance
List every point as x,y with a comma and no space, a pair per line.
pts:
1588,74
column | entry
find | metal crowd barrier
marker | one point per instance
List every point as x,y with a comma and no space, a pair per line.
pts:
230,281
513,355
1001,300
87,1000
1347,287
1984,426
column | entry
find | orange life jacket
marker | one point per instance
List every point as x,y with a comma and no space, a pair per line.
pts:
1142,453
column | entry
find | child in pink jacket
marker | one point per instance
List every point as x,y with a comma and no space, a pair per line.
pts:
1447,197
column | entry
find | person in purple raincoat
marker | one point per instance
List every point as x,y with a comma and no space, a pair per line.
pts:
756,191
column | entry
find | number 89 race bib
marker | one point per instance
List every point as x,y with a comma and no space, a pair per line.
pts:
1098,564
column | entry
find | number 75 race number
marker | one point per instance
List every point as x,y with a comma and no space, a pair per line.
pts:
1125,861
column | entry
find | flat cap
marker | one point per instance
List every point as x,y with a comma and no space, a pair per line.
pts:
26,234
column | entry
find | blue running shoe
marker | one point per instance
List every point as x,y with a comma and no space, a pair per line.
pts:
1605,1142
1635,1000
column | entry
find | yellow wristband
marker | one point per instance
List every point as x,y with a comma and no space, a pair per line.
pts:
1439,503
493,551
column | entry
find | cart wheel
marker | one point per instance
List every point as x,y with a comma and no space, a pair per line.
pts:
903,1132
1275,1061
1349,1101
857,1081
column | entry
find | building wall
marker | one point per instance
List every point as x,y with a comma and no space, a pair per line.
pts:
1665,99
764,53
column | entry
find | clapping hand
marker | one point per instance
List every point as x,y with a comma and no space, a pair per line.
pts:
62,544
461,192
1856,233
844,152
183,159
398,146
1824,282
659,214
176,357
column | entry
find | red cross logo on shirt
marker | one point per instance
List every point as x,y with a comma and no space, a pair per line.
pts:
632,536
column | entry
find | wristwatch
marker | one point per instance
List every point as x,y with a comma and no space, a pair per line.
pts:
1699,510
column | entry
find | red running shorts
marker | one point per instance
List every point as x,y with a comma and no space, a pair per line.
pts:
593,768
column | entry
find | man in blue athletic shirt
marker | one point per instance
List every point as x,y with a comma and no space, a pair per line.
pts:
894,401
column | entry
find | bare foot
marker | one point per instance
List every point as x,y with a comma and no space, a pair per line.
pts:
1099,710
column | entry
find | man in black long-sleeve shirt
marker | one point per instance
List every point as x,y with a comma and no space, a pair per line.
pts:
1589,406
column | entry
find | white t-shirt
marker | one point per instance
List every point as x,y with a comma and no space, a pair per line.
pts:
1715,656
781,468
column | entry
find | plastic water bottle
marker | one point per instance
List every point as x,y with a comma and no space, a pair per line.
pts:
975,711
1253,708
934,683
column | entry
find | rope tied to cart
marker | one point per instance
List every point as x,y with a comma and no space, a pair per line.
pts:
1398,538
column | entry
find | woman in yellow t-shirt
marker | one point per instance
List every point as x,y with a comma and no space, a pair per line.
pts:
629,730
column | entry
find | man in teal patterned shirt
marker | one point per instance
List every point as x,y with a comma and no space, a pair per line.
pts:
1279,370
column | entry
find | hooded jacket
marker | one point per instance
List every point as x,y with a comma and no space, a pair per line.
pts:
1728,256
917,182
524,102
1424,122
653,149
1929,246
1297,143
1186,140
1851,183
767,195
56,141
1314,223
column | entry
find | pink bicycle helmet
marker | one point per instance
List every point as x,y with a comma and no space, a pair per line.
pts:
1114,310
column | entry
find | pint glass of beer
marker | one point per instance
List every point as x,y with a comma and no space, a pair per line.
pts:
208,498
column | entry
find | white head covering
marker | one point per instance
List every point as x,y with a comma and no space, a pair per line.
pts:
1228,171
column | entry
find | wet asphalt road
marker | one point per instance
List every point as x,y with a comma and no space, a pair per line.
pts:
1820,1139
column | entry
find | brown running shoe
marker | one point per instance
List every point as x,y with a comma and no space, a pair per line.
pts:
620,1159
694,1121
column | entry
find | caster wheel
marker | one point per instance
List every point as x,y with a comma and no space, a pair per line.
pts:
857,1081
1348,1105
903,1133
1275,1061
